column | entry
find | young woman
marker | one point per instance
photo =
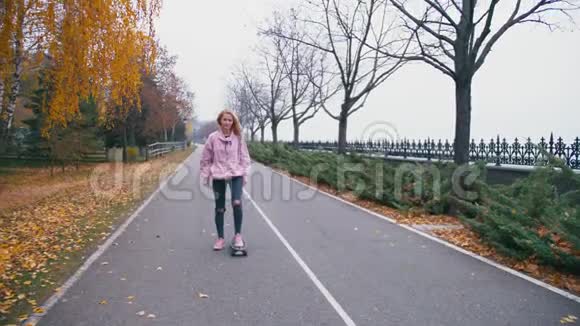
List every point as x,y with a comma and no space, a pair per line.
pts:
225,160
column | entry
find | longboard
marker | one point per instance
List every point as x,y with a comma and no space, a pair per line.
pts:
236,251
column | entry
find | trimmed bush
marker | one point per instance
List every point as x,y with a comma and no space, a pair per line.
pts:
536,217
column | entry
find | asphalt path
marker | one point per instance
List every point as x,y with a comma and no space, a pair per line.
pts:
312,260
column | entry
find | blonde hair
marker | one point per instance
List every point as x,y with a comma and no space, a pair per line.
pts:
236,127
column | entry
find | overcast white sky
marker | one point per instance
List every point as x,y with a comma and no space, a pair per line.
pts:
529,85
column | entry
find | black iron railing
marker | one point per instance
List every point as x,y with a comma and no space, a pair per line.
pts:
499,152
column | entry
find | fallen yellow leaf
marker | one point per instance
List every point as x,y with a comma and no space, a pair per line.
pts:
103,302
568,319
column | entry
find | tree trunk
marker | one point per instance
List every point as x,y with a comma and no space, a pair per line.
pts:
15,84
10,105
80,153
262,134
124,143
342,125
464,66
1,95
132,138
462,120
296,131
274,132
173,133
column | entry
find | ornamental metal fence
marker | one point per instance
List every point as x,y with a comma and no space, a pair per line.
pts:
496,151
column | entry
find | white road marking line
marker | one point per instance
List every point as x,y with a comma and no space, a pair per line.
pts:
445,243
345,317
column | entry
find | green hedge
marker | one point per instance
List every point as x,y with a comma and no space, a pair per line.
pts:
531,218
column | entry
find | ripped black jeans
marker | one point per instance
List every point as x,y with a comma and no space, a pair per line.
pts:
219,190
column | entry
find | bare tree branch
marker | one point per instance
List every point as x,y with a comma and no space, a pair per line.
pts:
461,51
437,6
420,23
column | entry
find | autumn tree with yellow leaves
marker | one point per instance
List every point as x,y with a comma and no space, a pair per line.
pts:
98,49
166,103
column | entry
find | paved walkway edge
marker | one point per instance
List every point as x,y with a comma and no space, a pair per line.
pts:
35,318
443,242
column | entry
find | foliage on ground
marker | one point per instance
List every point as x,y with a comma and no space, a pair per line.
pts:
46,236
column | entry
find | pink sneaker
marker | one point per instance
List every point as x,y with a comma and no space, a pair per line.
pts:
219,244
238,242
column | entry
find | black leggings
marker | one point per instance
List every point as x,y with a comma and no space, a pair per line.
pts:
219,189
